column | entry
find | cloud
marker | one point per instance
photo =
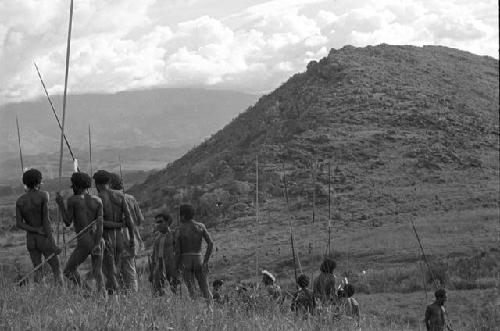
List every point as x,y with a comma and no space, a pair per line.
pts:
125,44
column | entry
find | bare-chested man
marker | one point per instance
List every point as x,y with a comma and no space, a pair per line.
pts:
116,216
82,209
188,252
32,216
435,314
126,270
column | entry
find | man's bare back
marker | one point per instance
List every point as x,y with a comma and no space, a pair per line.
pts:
191,234
84,209
32,212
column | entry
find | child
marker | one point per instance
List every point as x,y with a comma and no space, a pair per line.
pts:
303,301
435,314
162,267
351,305
216,294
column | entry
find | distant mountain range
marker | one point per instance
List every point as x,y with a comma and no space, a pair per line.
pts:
404,128
167,122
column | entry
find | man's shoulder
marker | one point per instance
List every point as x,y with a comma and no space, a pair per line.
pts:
199,225
94,198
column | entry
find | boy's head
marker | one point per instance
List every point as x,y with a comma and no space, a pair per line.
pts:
115,181
163,222
267,278
440,295
328,266
348,290
217,284
32,178
186,212
80,181
303,281
101,178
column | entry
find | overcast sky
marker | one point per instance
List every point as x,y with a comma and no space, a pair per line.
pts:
248,45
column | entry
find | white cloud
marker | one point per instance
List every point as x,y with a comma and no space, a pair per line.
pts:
125,44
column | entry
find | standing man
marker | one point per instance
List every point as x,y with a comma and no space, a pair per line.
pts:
324,285
163,260
32,216
126,269
83,209
116,216
188,252
435,314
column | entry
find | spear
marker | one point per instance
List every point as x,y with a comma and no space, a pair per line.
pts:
19,143
257,213
61,150
329,208
314,190
90,152
292,241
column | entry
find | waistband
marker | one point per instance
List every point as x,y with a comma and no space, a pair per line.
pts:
191,254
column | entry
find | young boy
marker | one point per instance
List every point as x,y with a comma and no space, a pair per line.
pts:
216,294
163,260
351,305
303,301
435,314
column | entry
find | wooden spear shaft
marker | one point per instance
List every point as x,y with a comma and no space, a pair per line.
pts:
19,143
329,209
61,149
257,214
90,153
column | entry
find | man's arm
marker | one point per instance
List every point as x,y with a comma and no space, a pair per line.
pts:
210,246
138,213
22,225
45,217
67,214
99,223
178,253
427,318
129,223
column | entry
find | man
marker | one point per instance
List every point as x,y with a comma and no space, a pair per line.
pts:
269,282
32,216
116,216
163,260
350,304
83,209
303,302
188,252
126,269
435,314
324,285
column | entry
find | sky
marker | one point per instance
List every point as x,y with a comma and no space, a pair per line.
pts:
244,45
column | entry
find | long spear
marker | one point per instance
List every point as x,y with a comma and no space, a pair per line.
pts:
54,111
19,143
90,152
292,241
257,213
329,208
61,150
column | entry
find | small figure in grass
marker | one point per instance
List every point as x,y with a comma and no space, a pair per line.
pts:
163,259
217,292
32,216
303,302
324,284
269,282
351,305
82,209
116,216
435,314
188,252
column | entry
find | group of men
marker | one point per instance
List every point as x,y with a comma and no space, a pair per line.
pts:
106,227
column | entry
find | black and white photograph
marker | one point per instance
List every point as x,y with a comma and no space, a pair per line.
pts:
289,165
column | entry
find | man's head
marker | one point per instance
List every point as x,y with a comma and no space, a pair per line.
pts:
115,181
267,278
101,178
217,284
328,266
163,222
303,281
32,178
440,295
186,212
80,181
349,290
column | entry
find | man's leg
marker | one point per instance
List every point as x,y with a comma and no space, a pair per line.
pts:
188,275
108,263
48,247
202,279
76,258
128,273
36,259
97,271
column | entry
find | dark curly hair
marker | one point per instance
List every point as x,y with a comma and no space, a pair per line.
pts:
115,181
101,177
303,281
328,266
32,177
187,211
81,180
